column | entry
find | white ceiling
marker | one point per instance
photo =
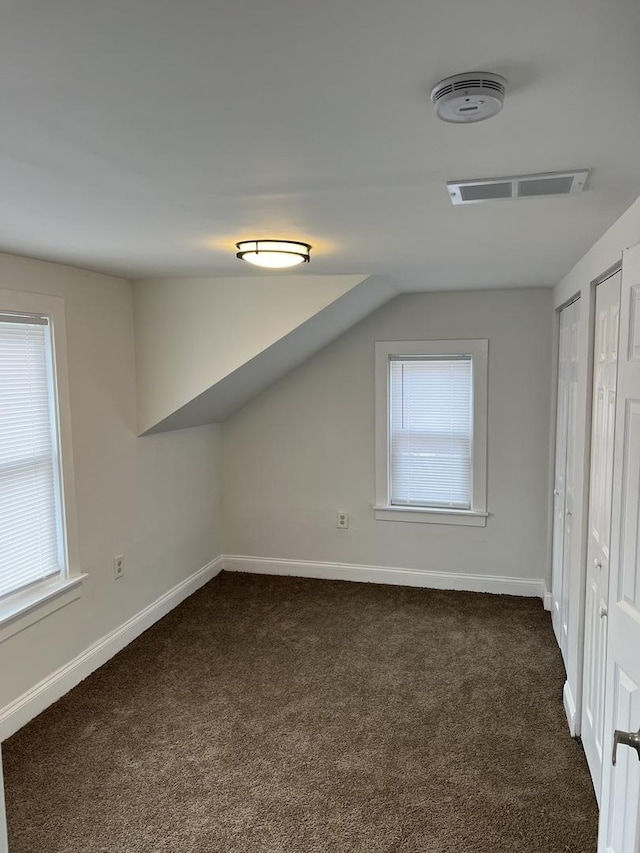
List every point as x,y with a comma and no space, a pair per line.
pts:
144,137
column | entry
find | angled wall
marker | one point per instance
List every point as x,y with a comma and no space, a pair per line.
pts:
205,346
304,449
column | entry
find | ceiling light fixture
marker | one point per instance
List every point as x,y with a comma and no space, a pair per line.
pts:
276,254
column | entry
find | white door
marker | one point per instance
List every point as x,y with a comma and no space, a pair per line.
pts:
564,472
605,358
619,820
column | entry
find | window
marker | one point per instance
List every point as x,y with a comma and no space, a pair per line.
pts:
34,561
431,411
31,547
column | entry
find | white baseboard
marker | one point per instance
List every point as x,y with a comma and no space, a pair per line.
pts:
48,691
570,709
34,701
546,598
382,574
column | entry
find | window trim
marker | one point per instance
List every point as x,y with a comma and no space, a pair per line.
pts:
28,605
478,349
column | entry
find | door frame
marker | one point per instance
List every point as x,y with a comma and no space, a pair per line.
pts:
571,697
614,269
553,470
608,276
572,692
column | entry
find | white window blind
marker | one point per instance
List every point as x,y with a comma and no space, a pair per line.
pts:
431,431
30,532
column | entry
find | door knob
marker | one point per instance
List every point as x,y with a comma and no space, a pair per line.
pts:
568,513
603,611
597,563
631,739
556,492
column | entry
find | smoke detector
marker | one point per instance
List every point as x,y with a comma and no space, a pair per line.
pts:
465,98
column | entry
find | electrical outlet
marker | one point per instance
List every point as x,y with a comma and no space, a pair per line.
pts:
118,566
342,520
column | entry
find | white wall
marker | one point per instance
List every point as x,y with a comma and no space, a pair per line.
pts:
193,332
625,232
305,448
156,499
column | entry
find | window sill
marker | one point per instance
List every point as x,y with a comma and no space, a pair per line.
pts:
429,515
19,611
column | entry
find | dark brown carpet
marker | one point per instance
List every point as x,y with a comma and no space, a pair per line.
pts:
274,714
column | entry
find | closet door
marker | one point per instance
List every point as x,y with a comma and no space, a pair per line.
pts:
605,368
563,491
620,812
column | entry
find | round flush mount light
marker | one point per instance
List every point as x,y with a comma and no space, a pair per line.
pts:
469,97
275,254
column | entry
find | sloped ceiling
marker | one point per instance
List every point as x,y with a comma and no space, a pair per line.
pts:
204,347
144,137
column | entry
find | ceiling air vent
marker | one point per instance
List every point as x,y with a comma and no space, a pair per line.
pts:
519,186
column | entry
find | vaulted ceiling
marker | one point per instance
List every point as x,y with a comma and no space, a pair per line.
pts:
144,137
